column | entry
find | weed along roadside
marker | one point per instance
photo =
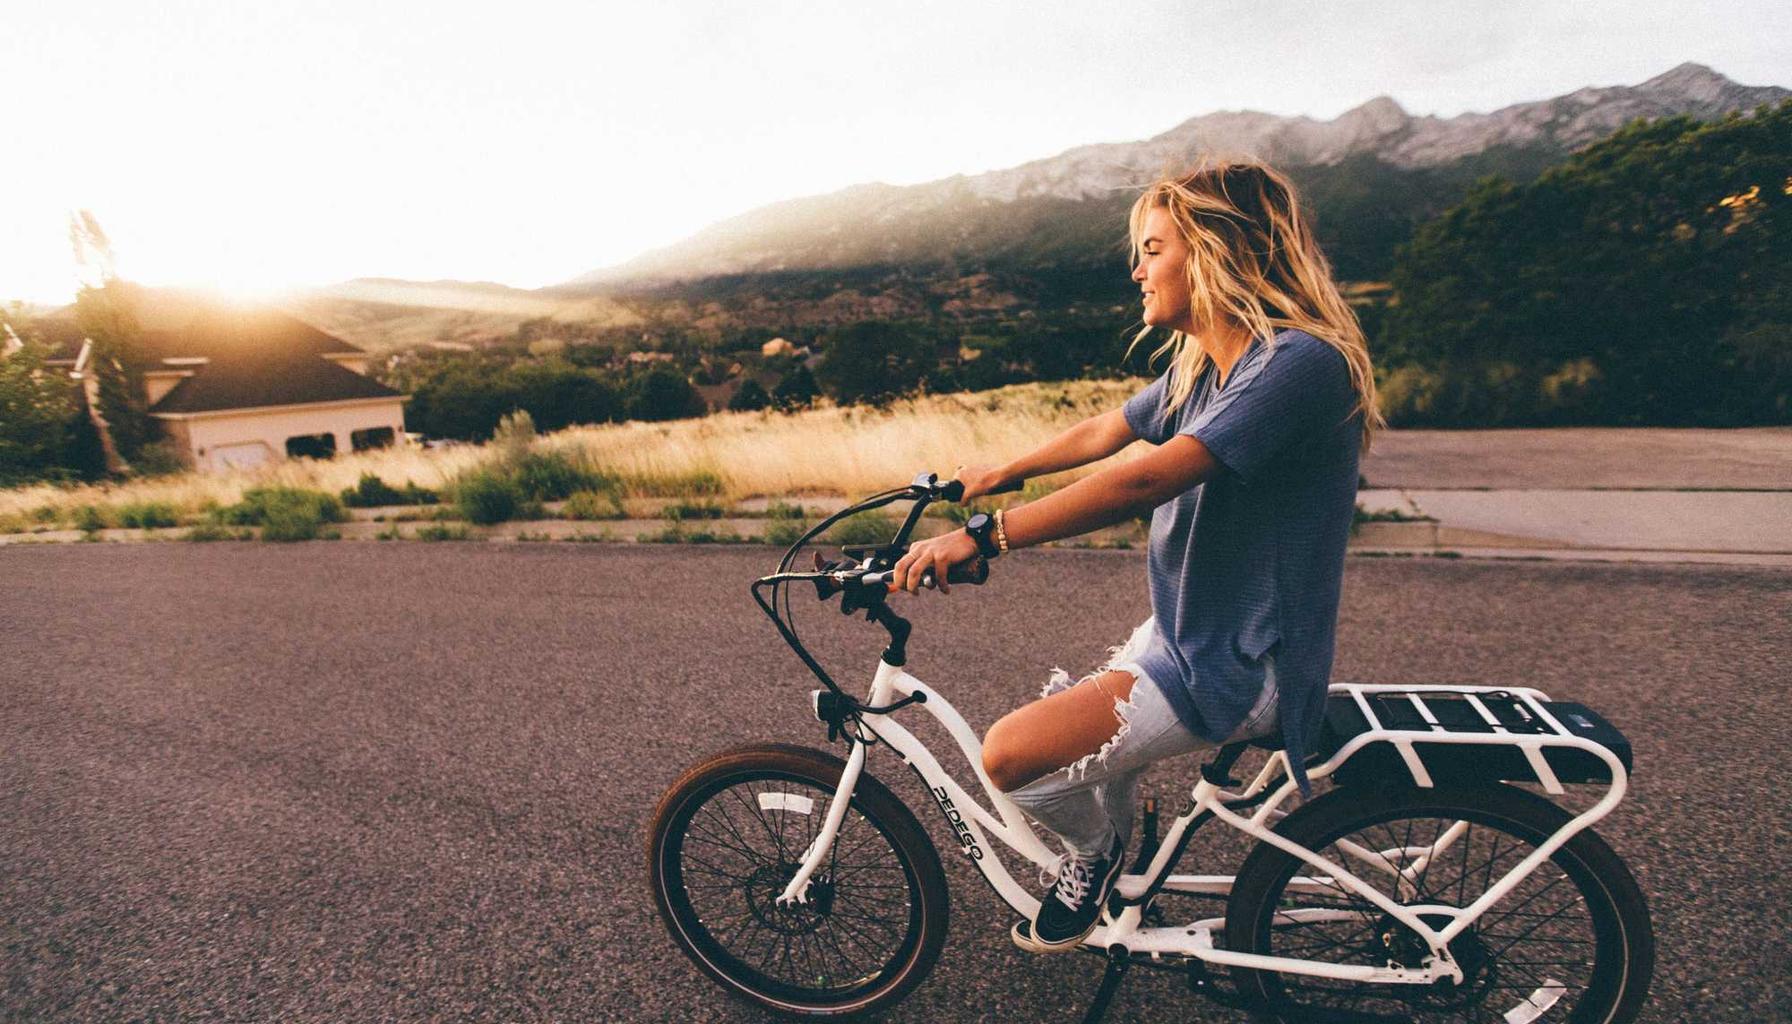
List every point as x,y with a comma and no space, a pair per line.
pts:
724,478
766,477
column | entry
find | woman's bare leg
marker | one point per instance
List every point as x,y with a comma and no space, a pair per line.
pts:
1056,731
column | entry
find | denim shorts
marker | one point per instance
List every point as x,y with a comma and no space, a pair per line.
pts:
1088,801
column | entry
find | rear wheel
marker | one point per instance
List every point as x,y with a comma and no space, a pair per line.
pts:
728,837
1572,942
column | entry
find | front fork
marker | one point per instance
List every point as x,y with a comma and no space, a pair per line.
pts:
798,889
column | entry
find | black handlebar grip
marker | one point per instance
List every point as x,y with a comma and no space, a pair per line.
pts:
954,490
972,573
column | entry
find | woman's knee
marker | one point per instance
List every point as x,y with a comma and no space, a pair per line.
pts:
1005,758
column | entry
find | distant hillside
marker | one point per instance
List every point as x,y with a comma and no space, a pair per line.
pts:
1046,237
384,315
1371,173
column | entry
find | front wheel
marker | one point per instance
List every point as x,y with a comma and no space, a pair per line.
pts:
1572,942
728,837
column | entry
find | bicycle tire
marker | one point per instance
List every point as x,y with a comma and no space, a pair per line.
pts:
1616,930
832,957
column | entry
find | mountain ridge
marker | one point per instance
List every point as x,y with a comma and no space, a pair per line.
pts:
794,234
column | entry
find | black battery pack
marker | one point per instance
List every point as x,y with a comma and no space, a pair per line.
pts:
1379,763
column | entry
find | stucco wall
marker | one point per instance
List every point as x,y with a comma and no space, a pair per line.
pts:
244,438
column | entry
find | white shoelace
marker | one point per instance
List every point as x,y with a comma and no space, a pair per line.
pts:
1072,877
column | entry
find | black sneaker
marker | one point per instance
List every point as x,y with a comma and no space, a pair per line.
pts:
1069,912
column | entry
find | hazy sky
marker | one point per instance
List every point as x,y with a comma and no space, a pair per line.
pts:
250,145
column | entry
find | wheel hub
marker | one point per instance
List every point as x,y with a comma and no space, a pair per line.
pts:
1405,947
768,882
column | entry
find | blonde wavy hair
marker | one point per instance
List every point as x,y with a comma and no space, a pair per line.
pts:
1253,262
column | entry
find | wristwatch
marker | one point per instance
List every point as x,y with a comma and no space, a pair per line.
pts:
982,527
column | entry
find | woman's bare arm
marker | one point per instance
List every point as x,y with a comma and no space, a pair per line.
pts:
1115,494
1092,440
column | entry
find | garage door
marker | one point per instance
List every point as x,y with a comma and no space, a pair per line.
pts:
239,456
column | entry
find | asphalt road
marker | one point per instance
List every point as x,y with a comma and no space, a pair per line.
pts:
357,782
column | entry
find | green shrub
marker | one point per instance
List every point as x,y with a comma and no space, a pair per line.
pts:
372,492
783,510
147,515
681,510
784,532
160,458
593,505
485,496
551,476
441,531
91,519
864,528
708,537
259,504
206,532
285,513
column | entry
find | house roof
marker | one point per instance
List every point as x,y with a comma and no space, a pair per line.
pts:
254,357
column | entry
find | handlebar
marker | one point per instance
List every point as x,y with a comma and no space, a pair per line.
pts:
862,578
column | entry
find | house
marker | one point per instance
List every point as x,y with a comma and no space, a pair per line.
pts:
236,387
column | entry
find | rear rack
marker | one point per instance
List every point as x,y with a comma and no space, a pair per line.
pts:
1431,719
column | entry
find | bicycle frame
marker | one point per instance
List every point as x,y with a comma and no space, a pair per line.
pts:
975,826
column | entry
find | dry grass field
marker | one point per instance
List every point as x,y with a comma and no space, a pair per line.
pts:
828,450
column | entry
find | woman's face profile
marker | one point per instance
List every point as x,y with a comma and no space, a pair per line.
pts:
1162,273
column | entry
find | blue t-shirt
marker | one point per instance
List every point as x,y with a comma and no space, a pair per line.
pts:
1251,562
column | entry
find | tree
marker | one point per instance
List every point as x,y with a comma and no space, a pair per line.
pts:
874,362
1638,282
37,411
795,390
106,312
749,397
663,393
558,394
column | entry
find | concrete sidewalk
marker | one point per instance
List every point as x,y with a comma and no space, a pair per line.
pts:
1717,526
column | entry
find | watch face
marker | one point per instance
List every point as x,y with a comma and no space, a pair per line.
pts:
977,522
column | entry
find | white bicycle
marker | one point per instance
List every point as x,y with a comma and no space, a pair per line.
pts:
1421,885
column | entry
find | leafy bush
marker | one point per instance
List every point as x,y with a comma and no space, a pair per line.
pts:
486,496
441,532
551,476
263,506
864,528
91,519
159,458
593,505
147,515
749,397
796,390
681,510
784,532
663,393
874,362
372,492
783,510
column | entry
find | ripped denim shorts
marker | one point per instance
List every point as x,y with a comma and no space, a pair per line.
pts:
1089,801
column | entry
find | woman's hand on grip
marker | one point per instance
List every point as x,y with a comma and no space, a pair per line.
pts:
936,555
982,480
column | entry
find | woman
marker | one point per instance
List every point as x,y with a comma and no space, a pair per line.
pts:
1256,426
